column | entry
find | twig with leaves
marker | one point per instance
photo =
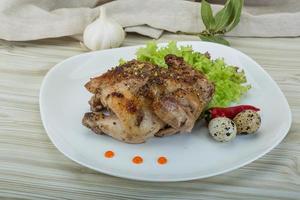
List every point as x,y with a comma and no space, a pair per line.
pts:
220,23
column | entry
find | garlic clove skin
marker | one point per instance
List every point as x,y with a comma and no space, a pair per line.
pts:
103,33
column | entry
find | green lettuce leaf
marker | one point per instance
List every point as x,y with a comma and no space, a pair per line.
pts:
229,81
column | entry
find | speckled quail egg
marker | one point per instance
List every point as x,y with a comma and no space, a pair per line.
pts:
222,129
247,122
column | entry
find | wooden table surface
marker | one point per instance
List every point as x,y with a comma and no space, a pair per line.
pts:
32,168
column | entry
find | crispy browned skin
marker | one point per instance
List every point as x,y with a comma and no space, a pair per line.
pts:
139,100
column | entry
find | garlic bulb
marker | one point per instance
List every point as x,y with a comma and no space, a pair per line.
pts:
103,33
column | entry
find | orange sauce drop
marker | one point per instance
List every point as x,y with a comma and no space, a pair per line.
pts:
109,154
162,160
137,160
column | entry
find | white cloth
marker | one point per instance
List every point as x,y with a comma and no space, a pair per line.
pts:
36,19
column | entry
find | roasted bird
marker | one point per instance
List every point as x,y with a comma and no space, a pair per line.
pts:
138,100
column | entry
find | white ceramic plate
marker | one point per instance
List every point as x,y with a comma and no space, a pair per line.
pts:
64,100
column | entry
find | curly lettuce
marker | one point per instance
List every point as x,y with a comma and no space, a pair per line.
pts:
229,81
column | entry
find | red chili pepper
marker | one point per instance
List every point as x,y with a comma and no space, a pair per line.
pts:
229,112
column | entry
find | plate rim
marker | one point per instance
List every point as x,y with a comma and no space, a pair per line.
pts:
57,144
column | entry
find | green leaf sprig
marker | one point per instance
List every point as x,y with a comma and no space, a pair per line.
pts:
223,21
